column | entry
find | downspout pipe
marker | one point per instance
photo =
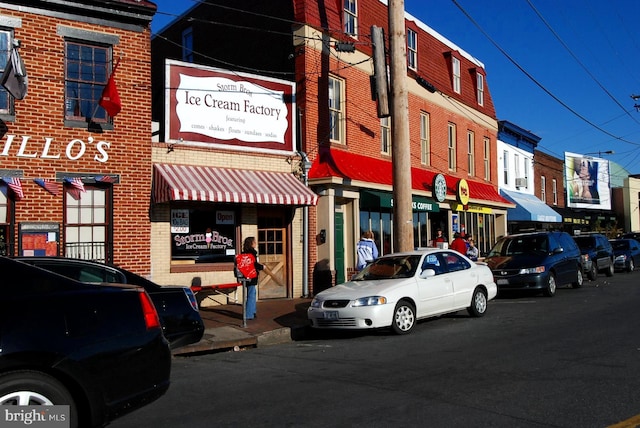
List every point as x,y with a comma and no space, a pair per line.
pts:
306,165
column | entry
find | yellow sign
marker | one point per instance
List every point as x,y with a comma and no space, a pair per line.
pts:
463,192
472,208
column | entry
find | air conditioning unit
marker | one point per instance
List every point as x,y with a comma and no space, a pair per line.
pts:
521,182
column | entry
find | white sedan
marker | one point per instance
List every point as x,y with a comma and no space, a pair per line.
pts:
398,289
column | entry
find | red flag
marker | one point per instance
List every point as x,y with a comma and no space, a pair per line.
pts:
49,186
110,99
76,187
15,185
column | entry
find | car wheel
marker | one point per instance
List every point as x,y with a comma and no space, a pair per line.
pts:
610,269
579,278
29,388
631,266
404,317
550,291
593,272
478,303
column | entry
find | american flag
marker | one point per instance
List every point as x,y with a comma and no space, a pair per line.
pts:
15,185
77,186
106,178
50,186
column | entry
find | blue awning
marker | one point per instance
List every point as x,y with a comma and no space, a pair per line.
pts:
529,208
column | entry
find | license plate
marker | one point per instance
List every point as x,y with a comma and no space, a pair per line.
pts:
331,315
503,282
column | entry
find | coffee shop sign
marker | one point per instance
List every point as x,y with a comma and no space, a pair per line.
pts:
26,147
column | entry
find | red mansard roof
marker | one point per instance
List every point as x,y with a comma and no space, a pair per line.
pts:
342,164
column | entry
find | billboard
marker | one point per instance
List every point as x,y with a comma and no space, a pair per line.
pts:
587,181
207,106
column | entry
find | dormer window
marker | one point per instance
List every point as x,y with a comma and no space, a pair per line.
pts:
412,49
455,73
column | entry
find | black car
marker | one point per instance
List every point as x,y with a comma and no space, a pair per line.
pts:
597,254
627,254
97,348
539,261
176,305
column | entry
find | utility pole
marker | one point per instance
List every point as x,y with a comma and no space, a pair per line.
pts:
400,144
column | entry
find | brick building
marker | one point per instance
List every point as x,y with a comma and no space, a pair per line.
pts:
453,126
94,169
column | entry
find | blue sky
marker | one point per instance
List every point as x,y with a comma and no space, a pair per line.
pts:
562,69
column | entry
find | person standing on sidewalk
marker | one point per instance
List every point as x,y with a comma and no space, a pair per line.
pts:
367,250
249,247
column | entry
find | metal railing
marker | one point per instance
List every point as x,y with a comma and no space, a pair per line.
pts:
95,251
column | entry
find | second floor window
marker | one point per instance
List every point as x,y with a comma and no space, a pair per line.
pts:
350,18
554,189
87,69
543,189
187,44
452,146
412,49
480,89
6,43
471,147
385,135
487,159
336,110
505,166
425,141
455,68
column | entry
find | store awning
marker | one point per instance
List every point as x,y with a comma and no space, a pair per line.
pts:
202,183
364,169
529,208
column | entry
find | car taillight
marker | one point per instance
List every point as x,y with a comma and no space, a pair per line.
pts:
149,312
192,298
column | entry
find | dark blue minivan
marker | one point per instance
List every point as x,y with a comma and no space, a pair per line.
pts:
539,261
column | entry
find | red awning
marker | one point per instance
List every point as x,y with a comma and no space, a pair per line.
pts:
339,163
202,183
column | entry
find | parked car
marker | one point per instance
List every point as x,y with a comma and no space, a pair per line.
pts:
176,305
631,235
398,289
539,261
97,348
597,254
626,253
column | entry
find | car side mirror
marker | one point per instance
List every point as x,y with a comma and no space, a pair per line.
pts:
427,273
558,250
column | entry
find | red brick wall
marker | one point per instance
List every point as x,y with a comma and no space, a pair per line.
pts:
550,167
41,115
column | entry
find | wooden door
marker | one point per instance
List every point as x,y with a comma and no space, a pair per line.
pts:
272,248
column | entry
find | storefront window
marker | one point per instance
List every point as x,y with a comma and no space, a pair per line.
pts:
205,235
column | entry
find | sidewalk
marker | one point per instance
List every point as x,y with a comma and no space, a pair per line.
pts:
278,321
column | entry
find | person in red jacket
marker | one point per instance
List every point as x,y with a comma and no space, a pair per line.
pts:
458,244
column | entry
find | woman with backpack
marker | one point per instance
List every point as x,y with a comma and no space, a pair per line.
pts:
367,250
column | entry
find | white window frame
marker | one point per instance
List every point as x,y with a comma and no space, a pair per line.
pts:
516,165
412,49
385,135
526,172
505,166
351,18
471,148
543,188
487,159
425,138
480,89
554,189
455,68
336,110
451,143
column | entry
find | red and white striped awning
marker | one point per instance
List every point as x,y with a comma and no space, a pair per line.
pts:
203,183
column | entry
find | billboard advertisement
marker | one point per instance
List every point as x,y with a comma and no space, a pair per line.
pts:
228,109
587,180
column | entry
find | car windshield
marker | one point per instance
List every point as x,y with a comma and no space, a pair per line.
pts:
620,245
585,242
516,245
390,268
